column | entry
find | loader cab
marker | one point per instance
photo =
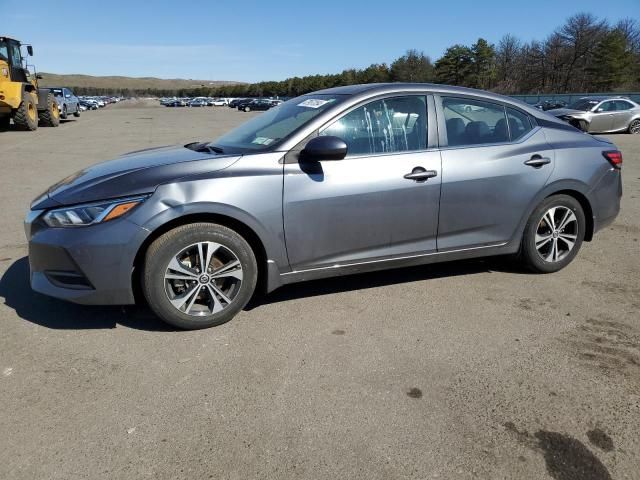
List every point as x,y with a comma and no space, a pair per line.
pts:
11,53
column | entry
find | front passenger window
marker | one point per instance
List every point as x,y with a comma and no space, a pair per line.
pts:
383,126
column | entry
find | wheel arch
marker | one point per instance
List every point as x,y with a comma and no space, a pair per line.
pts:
244,230
586,207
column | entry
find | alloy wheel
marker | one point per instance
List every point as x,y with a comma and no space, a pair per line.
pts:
203,279
634,127
556,234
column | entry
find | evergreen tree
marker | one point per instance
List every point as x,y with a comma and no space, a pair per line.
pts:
454,67
413,66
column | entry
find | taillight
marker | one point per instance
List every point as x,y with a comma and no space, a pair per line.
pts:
614,157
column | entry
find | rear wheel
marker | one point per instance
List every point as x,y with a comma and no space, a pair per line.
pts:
63,115
247,109
199,275
51,116
553,235
77,112
634,126
26,116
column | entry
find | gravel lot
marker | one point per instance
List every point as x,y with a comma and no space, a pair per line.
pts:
464,370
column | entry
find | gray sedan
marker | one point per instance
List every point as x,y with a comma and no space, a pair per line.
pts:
340,181
602,115
68,103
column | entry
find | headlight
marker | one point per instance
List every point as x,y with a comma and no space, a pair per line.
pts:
91,213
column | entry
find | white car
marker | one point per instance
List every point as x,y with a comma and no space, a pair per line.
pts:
219,102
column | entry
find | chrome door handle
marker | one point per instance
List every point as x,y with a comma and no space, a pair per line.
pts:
420,174
537,161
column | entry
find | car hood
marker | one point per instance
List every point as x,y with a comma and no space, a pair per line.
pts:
556,112
133,173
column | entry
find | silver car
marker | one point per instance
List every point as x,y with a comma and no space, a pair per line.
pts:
340,181
602,115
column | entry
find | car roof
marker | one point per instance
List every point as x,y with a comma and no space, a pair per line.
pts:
382,88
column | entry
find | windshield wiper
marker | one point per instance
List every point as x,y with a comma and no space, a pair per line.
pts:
203,147
213,148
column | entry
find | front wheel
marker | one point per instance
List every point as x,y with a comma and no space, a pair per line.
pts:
26,116
553,235
63,115
77,112
199,275
247,109
634,126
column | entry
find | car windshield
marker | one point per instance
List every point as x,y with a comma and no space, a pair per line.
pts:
583,105
277,123
57,92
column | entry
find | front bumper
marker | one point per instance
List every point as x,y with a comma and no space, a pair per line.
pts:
88,265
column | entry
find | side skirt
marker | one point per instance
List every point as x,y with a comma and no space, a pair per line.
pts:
375,265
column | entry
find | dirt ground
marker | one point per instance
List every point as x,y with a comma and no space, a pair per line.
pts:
455,371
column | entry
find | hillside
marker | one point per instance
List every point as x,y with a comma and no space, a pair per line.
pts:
132,83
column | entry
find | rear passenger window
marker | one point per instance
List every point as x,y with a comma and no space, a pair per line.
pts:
622,105
383,126
472,122
519,123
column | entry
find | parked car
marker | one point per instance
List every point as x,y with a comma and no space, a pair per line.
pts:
198,102
259,104
89,104
237,101
601,115
218,102
177,103
550,105
344,180
68,103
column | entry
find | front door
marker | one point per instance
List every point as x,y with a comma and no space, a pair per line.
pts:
602,120
495,164
363,208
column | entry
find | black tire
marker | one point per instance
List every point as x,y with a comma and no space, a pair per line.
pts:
63,115
77,112
5,123
634,126
529,255
51,116
26,115
167,246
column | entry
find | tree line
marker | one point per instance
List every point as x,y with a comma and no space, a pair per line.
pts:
585,54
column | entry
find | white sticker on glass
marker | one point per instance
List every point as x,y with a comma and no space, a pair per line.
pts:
314,103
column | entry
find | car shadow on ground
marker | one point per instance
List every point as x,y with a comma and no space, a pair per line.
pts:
56,314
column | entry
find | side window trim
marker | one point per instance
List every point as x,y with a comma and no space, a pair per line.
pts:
432,141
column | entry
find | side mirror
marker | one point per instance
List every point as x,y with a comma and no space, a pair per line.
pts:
30,50
600,110
324,148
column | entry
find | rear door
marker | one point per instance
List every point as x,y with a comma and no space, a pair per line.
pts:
622,115
495,160
362,208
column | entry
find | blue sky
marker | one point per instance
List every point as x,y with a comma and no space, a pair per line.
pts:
253,41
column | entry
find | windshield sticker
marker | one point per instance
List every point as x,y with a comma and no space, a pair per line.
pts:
314,102
262,140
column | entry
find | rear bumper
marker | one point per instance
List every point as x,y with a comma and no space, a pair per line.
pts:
87,265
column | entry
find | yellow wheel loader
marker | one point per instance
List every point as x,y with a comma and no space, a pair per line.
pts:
20,97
